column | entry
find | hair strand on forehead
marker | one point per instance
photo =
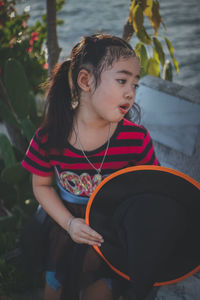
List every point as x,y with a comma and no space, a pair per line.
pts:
113,54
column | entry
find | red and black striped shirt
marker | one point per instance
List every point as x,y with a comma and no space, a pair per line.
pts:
130,145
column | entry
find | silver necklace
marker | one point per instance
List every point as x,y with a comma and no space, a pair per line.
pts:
98,176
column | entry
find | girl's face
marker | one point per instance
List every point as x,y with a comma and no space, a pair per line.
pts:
115,94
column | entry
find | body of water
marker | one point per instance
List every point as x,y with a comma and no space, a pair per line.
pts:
181,17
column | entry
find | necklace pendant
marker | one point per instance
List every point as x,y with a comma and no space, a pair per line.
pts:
98,177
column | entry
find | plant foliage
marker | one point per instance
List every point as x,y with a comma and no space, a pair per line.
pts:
23,67
153,62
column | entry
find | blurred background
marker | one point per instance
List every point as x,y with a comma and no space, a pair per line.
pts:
181,17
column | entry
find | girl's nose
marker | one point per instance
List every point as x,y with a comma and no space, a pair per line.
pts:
129,95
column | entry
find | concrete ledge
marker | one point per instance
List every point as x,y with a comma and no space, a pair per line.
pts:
188,93
176,126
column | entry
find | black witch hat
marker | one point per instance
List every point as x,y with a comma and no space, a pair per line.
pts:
149,219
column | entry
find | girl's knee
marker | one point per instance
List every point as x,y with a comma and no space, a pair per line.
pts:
99,290
51,294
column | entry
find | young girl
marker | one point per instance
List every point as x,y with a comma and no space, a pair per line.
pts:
85,136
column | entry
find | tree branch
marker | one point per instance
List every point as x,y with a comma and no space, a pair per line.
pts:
52,41
128,31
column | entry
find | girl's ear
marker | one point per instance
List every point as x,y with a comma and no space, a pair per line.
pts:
84,80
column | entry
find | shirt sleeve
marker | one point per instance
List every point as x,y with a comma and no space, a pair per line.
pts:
36,159
147,155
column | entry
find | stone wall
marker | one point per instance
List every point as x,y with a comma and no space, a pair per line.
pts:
171,113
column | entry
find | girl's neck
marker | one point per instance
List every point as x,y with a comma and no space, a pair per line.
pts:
83,118
92,131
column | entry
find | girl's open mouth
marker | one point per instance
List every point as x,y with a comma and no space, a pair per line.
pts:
124,108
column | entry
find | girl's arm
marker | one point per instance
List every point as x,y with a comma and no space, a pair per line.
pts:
47,196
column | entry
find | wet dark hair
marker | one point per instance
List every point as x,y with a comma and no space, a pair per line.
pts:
94,53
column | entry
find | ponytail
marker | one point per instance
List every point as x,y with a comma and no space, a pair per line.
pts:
58,115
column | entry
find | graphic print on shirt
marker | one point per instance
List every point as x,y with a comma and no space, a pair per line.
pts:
78,185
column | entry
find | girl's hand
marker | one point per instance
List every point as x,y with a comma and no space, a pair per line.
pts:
81,233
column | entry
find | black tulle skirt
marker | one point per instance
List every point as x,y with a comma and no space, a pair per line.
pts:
48,247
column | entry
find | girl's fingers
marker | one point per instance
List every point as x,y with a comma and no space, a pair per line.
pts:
82,240
83,237
92,233
82,233
90,238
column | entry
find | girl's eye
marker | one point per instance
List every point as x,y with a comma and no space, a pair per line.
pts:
136,86
122,81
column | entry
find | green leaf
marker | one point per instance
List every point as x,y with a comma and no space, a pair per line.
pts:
6,151
155,55
138,18
130,19
144,37
142,54
175,64
169,46
167,71
33,108
28,129
148,9
5,223
6,115
159,50
156,19
7,194
18,153
153,67
17,87
171,51
14,174
60,22
59,4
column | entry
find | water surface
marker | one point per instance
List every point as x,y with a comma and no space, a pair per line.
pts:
181,17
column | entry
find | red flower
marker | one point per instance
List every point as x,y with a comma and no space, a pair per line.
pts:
45,66
30,49
34,36
31,42
1,3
